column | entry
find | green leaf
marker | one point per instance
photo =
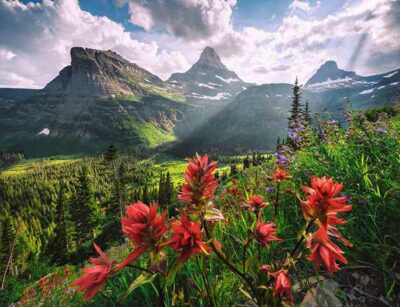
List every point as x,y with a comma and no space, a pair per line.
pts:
176,265
142,279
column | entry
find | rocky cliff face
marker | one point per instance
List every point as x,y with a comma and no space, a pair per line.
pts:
98,73
99,99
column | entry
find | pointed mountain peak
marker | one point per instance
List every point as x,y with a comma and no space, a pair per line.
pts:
209,54
210,57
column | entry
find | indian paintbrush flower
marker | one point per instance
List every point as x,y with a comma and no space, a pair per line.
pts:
324,251
94,277
187,239
200,184
144,227
265,233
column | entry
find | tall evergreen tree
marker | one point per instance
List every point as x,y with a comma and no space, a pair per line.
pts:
85,212
111,153
295,110
64,228
307,115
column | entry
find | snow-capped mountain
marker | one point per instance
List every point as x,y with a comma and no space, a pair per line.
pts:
330,77
208,80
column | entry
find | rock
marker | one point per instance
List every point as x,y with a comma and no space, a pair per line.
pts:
322,295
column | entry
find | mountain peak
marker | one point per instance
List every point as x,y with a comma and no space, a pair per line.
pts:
100,73
209,55
329,72
329,65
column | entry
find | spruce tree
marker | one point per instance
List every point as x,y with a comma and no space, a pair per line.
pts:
111,153
307,116
295,110
64,228
85,212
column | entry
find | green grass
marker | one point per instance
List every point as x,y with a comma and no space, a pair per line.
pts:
32,165
152,135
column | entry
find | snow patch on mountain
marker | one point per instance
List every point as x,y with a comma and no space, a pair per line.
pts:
391,75
206,85
329,82
45,131
229,80
219,96
367,91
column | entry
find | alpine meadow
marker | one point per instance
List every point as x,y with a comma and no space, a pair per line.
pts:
202,153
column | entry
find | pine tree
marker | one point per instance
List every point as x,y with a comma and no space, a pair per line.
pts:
8,242
111,153
86,214
307,116
295,110
233,169
64,227
146,196
246,162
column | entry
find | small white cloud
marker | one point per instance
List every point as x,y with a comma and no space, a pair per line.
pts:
6,54
301,5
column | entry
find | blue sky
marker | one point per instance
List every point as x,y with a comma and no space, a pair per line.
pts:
263,41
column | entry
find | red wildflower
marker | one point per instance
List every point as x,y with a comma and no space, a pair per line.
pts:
200,183
187,238
94,277
282,285
322,202
280,175
144,227
265,232
324,251
256,203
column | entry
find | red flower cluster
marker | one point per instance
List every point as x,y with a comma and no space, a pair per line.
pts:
282,284
324,251
321,201
200,184
322,205
265,232
94,277
144,227
187,239
280,175
256,203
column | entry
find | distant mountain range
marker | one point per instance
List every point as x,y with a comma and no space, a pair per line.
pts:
101,98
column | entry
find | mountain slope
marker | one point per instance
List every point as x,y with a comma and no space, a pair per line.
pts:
99,99
258,115
208,80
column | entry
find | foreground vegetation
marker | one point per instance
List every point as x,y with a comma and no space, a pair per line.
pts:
35,202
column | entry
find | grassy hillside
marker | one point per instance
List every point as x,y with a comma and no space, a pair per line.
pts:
364,156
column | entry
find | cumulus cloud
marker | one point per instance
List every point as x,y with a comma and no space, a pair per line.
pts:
369,28
190,19
35,40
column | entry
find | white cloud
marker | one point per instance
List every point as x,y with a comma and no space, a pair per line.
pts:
190,19
37,39
363,36
301,5
6,54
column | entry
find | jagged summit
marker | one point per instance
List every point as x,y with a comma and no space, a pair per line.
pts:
100,73
208,79
330,72
211,58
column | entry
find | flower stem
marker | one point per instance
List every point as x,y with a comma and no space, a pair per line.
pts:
140,268
229,265
276,200
301,239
